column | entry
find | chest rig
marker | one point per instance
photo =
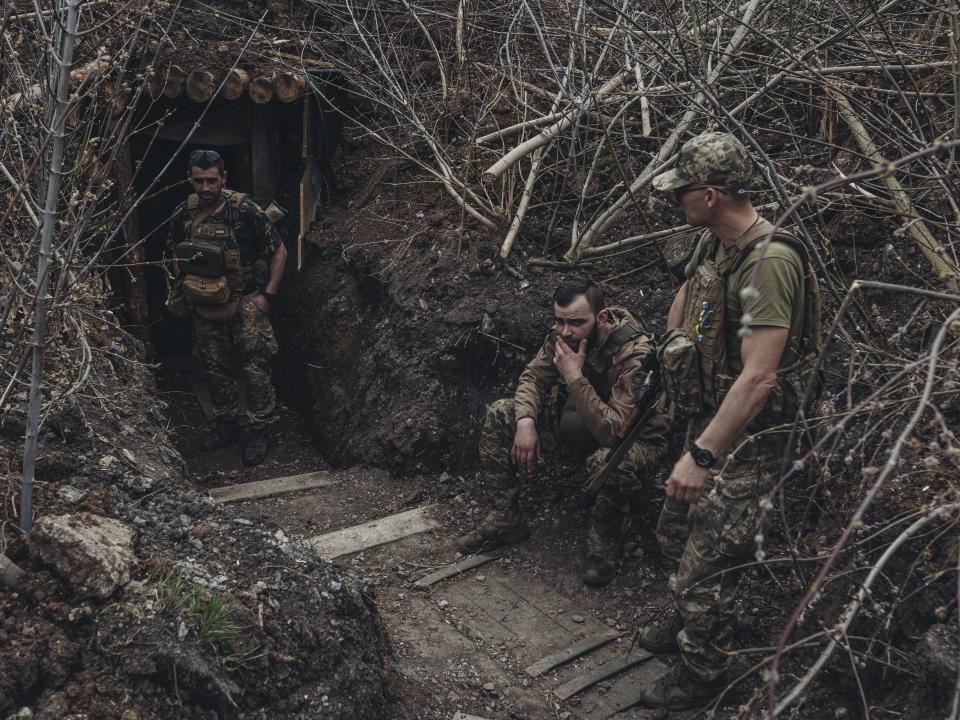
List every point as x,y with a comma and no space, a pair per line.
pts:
693,357
571,430
209,260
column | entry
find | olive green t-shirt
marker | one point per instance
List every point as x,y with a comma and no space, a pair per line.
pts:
779,284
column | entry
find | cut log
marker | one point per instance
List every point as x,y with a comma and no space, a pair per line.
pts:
118,94
200,85
173,86
581,683
289,86
261,90
235,84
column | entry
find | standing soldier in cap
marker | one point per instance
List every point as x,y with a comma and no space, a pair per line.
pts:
229,262
743,335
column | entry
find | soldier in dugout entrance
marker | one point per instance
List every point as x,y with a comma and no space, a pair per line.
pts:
573,396
229,261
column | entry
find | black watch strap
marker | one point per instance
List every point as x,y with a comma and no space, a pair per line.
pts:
271,297
702,457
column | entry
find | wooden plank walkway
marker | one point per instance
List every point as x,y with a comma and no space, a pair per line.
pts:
275,486
376,532
571,652
453,569
608,670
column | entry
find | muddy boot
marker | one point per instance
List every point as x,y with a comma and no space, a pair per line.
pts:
498,528
680,689
255,446
603,542
660,636
598,570
223,433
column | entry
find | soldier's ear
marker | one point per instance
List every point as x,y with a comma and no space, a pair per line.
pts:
224,177
603,316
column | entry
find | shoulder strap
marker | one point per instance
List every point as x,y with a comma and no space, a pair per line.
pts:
193,202
616,341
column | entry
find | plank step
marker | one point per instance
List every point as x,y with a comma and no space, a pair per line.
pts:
453,569
376,532
581,683
571,652
275,486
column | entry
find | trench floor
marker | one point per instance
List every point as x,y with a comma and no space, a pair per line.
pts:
461,645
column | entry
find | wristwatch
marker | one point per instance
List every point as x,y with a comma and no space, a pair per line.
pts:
269,296
702,457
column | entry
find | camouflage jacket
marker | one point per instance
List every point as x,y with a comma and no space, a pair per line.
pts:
602,417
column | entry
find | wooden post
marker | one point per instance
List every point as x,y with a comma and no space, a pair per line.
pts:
261,90
174,81
200,86
289,86
262,157
235,85
132,249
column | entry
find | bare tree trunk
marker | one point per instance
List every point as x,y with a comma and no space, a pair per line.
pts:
43,264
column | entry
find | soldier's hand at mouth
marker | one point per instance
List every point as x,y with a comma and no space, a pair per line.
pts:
526,445
686,480
569,363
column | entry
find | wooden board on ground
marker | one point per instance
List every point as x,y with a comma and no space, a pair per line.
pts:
274,486
453,569
571,652
608,670
623,693
376,532
463,716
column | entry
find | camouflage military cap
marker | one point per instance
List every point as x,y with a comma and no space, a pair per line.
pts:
711,158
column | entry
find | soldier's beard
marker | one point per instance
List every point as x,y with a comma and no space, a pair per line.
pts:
591,340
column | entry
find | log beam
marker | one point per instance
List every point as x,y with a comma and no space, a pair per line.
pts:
261,90
235,84
200,85
289,86
174,81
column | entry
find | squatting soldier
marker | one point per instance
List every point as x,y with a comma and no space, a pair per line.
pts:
734,385
229,262
572,396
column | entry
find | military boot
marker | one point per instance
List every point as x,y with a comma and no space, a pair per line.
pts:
660,636
680,689
221,434
255,446
603,542
497,529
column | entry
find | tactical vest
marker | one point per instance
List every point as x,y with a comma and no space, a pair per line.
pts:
694,358
209,260
571,430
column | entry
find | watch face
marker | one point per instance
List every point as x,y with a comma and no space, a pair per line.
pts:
702,457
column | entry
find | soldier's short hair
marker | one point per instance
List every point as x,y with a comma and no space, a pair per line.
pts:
205,159
568,290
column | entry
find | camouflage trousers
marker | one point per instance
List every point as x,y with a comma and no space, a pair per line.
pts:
612,502
711,542
238,351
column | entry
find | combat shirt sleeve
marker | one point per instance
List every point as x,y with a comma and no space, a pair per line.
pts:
175,230
263,234
604,419
536,378
778,282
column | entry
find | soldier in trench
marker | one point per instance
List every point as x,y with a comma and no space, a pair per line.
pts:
741,346
572,397
229,262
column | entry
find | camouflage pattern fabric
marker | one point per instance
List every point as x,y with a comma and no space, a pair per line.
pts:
239,350
711,158
710,542
611,504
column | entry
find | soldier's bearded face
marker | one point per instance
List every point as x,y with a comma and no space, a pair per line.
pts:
575,322
208,183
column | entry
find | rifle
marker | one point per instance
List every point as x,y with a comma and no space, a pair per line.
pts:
646,385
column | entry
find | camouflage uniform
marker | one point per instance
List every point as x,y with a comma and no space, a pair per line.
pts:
239,349
603,398
712,540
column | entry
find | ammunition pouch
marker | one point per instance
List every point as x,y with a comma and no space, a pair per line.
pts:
680,370
203,259
199,290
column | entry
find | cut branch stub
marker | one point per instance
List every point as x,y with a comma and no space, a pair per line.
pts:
289,86
200,85
174,82
261,90
118,94
235,84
